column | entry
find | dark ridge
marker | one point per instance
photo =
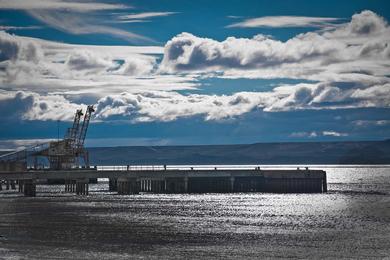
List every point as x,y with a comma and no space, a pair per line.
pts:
353,152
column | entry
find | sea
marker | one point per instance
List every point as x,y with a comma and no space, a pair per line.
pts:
350,221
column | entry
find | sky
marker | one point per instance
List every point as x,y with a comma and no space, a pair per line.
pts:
195,72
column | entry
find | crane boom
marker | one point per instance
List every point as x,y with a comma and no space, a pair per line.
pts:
84,127
73,131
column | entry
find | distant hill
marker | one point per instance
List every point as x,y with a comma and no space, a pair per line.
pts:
367,152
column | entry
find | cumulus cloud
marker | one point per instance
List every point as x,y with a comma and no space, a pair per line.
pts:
56,66
285,21
86,60
331,95
168,106
12,48
138,66
32,106
358,49
148,106
364,23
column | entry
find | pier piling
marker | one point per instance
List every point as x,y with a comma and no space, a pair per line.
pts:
20,186
29,188
128,186
82,186
12,183
112,184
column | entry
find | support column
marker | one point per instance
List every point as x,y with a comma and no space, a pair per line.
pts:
128,186
112,184
7,184
20,185
1,185
67,185
82,186
232,179
186,184
29,188
324,184
13,187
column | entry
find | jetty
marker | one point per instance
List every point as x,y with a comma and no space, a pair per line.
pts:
160,179
67,161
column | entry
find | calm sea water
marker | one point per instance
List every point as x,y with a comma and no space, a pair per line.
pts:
351,221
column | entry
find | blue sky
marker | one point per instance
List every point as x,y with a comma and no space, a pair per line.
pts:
195,72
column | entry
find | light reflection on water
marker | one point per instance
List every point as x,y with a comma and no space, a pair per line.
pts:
351,220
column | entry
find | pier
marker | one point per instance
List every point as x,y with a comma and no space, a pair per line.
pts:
128,180
67,161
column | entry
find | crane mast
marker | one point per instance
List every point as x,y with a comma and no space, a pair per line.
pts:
84,127
73,131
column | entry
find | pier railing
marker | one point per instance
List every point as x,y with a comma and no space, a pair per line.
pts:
196,168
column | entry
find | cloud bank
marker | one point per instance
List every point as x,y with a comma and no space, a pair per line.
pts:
360,48
348,67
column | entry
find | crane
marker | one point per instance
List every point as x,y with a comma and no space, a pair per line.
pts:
61,154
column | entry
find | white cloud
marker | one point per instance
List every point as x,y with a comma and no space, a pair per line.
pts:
77,24
75,17
131,21
138,66
81,69
147,106
77,6
378,95
168,106
304,134
314,134
364,23
32,106
20,144
334,133
88,61
285,21
355,51
145,15
14,28
365,123
13,48
349,67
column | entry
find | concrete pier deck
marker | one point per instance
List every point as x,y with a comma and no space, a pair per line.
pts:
133,180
